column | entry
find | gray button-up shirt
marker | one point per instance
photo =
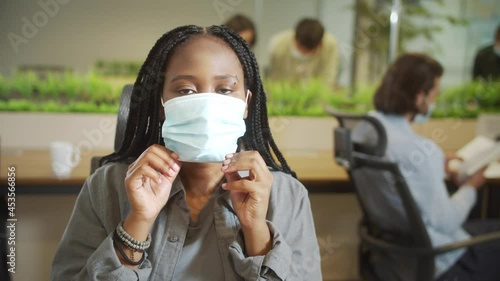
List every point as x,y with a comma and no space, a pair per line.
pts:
86,250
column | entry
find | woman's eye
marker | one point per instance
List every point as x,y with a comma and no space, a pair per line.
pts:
186,91
225,91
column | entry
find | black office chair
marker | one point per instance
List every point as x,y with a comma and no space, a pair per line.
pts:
121,124
394,241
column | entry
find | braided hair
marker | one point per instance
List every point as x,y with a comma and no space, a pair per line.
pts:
144,122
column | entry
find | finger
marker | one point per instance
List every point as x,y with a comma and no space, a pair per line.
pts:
233,176
169,157
251,162
143,172
240,186
160,159
230,177
167,167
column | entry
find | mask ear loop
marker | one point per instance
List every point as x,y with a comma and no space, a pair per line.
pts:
246,98
241,146
162,103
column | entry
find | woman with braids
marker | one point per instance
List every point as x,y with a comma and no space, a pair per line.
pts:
194,193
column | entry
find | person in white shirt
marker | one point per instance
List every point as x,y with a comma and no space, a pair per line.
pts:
407,95
308,52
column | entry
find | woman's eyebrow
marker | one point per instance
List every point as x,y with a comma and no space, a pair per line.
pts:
226,76
183,77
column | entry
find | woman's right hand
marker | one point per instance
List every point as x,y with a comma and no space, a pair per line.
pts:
477,180
149,181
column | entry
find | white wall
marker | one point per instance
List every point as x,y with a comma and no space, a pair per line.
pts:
459,44
83,31
80,32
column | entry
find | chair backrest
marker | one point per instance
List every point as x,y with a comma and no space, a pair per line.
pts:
123,112
121,124
389,211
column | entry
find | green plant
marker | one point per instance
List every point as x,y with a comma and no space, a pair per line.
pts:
311,98
4,87
18,105
469,100
22,105
23,84
98,90
50,87
73,85
66,92
117,68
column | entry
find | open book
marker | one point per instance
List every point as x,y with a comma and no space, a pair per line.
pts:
480,152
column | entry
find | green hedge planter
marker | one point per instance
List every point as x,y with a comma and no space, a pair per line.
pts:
65,92
101,94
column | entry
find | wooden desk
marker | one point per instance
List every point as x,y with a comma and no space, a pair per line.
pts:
34,172
316,169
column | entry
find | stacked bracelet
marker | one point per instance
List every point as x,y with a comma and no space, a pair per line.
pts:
130,242
134,245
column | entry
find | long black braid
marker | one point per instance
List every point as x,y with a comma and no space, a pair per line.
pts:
144,120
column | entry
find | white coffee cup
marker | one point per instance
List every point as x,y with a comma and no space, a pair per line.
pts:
65,156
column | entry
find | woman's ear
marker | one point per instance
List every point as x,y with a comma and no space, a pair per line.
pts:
421,100
248,99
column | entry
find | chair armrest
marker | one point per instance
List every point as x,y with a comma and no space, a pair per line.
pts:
381,244
475,240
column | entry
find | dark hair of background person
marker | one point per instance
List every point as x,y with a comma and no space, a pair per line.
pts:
409,75
309,33
145,118
241,23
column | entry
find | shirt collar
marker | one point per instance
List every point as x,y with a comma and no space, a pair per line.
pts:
395,119
177,187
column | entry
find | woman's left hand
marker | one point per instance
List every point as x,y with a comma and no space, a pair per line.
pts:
250,197
452,170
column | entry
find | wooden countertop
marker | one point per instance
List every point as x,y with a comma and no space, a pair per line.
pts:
33,169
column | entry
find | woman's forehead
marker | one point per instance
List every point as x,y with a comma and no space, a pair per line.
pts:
204,54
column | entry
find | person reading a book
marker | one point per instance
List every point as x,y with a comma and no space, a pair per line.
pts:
407,95
199,190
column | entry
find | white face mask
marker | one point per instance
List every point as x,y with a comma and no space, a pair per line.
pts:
203,127
422,118
296,54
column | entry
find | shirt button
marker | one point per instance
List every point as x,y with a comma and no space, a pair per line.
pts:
173,238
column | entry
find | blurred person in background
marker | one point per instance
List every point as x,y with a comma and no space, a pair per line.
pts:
407,96
245,27
304,53
487,61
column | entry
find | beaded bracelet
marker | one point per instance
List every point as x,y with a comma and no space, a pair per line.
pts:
134,245
130,260
131,242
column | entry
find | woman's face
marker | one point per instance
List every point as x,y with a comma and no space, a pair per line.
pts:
247,35
204,65
424,101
